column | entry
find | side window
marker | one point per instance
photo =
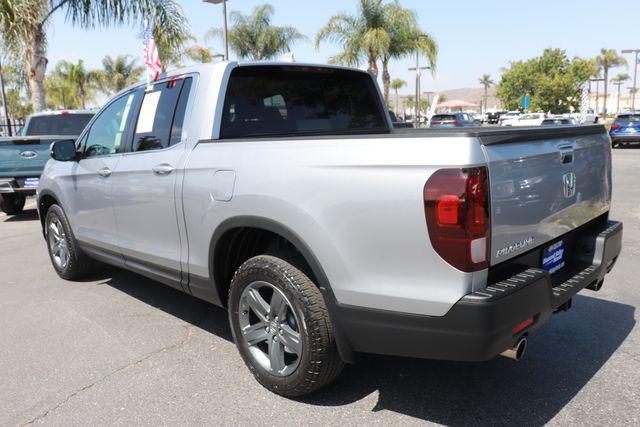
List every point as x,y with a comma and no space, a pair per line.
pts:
105,135
161,115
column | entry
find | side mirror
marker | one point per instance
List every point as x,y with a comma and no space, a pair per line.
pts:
64,150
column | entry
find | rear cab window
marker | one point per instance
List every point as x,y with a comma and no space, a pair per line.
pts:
297,100
68,124
628,118
443,118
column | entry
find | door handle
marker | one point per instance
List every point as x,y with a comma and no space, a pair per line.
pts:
163,169
105,172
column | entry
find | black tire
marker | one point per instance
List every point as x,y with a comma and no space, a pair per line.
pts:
319,361
615,144
78,264
12,204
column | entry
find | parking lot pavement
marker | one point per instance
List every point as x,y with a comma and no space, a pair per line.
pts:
121,349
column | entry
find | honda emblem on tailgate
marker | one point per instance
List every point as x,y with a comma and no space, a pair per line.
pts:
569,184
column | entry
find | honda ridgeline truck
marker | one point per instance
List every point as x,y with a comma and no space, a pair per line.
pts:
282,193
23,157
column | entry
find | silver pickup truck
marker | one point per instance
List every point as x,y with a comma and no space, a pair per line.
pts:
283,193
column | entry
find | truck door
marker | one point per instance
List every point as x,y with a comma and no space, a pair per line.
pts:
145,189
89,185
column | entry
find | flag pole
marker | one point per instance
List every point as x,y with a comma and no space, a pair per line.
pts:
146,25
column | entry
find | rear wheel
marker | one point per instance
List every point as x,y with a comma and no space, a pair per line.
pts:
67,258
12,204
615,144
281,327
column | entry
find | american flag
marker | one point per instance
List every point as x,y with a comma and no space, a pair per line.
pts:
150,52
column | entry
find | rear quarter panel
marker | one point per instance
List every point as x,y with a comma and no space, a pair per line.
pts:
356,202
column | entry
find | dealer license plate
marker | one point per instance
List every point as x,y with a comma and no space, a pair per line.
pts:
553,257
31,183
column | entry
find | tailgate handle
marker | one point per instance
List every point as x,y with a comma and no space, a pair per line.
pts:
566,154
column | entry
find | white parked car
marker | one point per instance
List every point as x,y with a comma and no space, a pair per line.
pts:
533,119
509,116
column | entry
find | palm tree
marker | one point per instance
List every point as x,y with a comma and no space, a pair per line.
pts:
486,83
618,81
83,81
396,85
607,59
377,32
406,38
24,25
253,36
119,72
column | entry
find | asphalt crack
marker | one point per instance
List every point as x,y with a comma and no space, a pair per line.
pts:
151,355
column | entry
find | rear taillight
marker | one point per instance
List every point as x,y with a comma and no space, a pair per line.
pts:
615,126
455,122
436,123
456,204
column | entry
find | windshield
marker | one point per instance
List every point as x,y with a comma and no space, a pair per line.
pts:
57,124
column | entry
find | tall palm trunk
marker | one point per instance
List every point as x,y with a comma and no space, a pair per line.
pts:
373,65
83,97
397,103
36,66
386,79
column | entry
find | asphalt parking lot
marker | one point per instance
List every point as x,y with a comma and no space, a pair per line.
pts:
121,349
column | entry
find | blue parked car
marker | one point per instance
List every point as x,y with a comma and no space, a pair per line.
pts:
450,120
625,129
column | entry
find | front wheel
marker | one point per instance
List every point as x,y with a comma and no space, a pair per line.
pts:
67,258
12,204
282,328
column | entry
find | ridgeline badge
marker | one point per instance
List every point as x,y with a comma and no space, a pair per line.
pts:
515,247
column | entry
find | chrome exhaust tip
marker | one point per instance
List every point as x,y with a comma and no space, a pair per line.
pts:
517,351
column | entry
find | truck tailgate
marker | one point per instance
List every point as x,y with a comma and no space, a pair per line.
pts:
24,156
545,184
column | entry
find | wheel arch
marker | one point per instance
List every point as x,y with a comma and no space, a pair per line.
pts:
46,198
219,242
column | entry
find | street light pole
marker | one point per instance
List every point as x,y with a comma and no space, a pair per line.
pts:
224,31
635,75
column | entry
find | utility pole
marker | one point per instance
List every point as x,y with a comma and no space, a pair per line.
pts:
224,31
418,70
635,75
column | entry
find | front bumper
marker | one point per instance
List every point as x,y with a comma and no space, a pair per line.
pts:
15,186
480,326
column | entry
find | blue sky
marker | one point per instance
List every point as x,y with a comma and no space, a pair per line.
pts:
474,37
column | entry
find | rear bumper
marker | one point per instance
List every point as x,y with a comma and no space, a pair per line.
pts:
12,186
625,137
480,325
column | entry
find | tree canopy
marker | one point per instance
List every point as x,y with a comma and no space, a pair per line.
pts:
553,81
378,31
254,37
